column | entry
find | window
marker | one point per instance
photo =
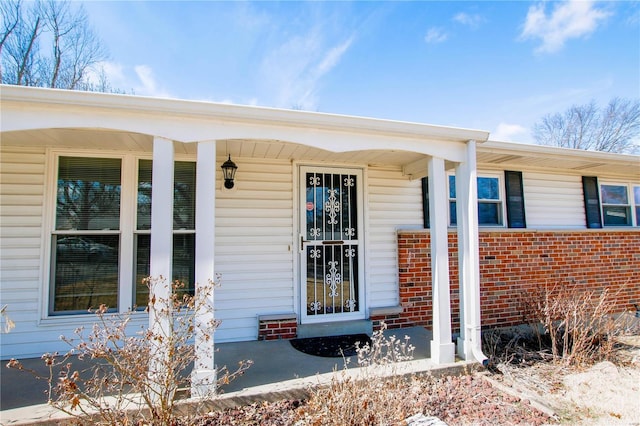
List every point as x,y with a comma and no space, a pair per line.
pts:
88,241
184,225
489,201
616,206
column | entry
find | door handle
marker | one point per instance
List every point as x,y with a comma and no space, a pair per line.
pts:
333,243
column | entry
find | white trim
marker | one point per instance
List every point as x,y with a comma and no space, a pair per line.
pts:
365,227
126,270
52,157
154,115
501,200
631,205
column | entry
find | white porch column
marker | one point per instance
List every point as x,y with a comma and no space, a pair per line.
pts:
203,377
469,343
161,252
442,348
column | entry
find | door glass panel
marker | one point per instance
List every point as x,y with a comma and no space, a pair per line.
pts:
331,207
332,279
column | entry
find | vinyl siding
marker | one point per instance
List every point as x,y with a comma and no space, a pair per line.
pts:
22,180
553,201
255,242
394,202
254,247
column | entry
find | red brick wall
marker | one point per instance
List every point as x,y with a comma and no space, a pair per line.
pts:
286,328
514,261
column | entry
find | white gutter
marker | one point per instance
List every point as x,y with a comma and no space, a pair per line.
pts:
239,113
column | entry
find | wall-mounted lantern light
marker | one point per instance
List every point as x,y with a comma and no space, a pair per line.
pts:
229,172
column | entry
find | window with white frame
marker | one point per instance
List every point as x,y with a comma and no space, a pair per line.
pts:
616,205
490,204
184,226
88,241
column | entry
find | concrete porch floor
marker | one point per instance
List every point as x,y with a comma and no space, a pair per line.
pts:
277,367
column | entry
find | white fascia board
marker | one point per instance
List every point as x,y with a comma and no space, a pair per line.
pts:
175,109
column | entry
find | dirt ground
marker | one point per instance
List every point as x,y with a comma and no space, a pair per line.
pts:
602,394
538,393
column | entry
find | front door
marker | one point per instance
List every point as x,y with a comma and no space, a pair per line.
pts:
331,245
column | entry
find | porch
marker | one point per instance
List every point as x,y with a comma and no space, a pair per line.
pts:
252,234
279,371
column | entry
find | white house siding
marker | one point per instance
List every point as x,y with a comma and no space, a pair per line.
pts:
22,176
553,201
254,247
394,202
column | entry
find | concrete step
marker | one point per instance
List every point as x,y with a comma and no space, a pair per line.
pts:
337,328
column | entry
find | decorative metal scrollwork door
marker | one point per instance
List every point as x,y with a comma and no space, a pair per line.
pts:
330,244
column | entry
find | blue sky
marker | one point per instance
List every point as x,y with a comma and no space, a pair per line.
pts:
497,66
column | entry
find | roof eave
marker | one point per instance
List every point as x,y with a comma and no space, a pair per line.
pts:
243,113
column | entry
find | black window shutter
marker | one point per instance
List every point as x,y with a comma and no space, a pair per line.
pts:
591,201
516,217
425,202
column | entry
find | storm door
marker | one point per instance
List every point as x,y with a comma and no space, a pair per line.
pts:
331,245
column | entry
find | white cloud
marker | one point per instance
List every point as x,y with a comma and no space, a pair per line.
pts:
332,57
567,20
295,68
472,21
509,132
435,35
148,85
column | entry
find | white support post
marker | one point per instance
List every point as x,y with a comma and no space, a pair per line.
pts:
469,343
442,347
161,256
203,377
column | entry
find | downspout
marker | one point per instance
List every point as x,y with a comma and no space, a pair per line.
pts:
476,347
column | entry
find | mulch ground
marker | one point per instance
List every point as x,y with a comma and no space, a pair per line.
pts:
456,400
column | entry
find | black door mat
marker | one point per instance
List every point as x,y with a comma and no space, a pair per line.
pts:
331,346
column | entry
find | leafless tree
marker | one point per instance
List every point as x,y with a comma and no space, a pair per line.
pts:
49,43
614,128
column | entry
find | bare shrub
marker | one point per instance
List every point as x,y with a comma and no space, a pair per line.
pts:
128,383
367,397
579,323
8,323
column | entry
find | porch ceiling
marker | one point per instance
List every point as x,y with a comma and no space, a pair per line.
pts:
523,156
489,154
82,139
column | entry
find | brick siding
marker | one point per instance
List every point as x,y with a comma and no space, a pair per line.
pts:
277,328
512,262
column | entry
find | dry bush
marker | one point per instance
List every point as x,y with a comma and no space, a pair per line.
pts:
4,318
127,383
367,398
580,324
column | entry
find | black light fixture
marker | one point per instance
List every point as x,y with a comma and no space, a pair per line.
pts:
229,172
